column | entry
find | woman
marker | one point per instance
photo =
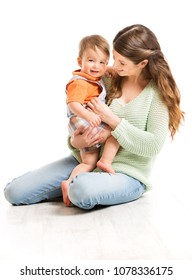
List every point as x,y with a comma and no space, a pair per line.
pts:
144,107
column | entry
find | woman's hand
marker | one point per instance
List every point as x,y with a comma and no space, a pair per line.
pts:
105,113
86,137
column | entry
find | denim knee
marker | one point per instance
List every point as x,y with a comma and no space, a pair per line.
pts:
79,193
11,194
18,191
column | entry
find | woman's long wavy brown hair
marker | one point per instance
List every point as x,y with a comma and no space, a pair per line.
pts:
137,42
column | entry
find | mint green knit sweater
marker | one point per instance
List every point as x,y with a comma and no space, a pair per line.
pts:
141,133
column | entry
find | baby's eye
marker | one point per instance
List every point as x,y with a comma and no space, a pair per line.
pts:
90,60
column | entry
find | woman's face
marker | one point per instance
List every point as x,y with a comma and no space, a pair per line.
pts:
125,67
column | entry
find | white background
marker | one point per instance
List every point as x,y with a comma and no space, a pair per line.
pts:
38,51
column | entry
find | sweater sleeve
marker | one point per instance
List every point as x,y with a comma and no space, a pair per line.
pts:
149,141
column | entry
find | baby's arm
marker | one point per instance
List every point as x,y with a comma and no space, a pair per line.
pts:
92,118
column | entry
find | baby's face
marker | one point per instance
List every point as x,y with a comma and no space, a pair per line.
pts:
94,62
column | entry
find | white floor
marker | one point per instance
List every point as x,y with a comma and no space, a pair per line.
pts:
157,227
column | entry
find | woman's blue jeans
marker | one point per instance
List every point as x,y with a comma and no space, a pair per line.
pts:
85,191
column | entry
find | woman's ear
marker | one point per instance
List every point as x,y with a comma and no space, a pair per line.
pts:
144,63
79,61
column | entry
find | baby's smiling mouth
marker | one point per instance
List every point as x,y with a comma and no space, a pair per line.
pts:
94,71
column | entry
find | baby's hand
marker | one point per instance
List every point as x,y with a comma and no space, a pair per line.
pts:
110,72
93,119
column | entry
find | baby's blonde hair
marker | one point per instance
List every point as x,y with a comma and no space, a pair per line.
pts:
93,41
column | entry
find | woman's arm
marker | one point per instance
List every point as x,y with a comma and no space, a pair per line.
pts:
148,141
143,142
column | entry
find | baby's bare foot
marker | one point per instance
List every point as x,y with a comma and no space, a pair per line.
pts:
64,187
105,167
